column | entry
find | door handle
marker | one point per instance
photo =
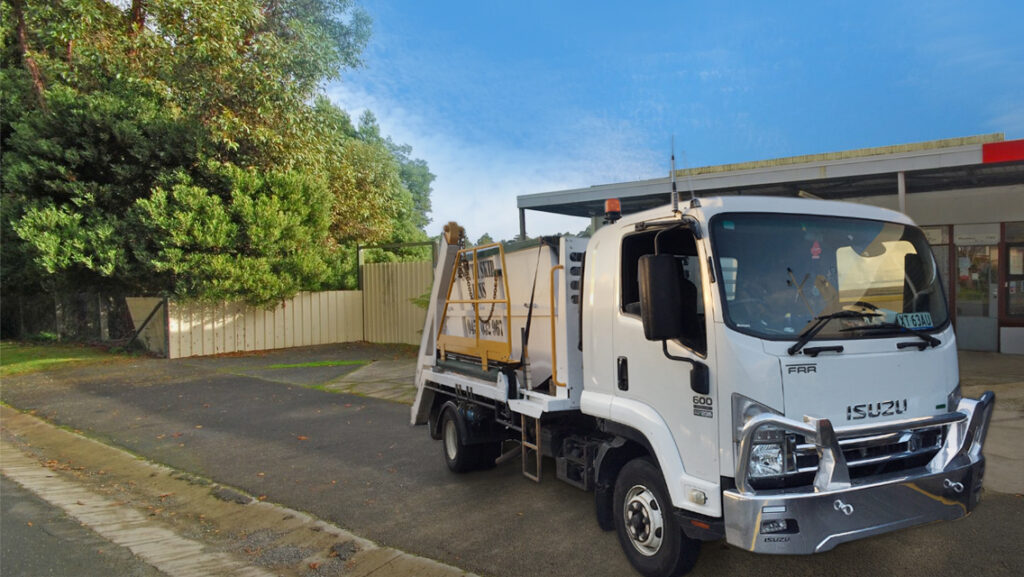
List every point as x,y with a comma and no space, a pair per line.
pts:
623,373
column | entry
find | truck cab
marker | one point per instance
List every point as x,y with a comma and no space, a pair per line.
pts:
832,375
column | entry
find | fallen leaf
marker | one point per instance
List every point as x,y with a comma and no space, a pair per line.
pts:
302,438
262,498
314,566
261,474
199,426
30,523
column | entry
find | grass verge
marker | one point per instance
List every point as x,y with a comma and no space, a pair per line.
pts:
318,364
19,358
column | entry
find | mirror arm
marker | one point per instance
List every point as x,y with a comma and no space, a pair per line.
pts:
698,375
664,349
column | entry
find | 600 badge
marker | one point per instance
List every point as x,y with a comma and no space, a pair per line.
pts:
703,406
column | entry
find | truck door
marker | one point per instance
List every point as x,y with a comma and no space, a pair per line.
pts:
646,374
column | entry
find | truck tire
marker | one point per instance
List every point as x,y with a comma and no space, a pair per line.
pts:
649,532
460,457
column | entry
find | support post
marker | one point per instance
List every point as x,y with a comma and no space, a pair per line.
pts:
901,190
359,267
522,224
58,315
104,313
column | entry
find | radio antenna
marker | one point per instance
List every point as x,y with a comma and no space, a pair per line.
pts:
675,193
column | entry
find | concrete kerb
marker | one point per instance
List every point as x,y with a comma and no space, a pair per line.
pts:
169,501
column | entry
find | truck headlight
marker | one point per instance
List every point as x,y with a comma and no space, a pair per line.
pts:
771,453
767,461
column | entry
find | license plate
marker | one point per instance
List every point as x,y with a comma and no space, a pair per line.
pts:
915,320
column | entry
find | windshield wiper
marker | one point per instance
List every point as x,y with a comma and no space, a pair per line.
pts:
820,322
897,328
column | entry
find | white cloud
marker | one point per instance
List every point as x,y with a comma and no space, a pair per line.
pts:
477,185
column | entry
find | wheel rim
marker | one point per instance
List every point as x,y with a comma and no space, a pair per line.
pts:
645,524
451,439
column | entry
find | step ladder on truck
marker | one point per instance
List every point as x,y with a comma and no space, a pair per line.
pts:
780,373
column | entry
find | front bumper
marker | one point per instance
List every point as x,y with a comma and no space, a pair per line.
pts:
835,510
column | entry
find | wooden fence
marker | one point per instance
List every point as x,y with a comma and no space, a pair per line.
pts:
382,313
389,315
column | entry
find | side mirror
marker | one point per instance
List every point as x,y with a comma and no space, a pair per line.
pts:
700,381
661,297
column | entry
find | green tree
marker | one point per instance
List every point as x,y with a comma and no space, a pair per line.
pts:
183,147
249,239
70,174
410,187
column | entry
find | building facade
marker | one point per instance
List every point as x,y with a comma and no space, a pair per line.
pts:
967,194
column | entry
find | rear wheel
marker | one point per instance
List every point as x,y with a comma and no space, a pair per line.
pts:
649,532
459,456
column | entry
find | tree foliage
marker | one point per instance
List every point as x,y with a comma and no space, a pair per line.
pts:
183,147
248,238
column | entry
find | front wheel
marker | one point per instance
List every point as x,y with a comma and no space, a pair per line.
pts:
648,530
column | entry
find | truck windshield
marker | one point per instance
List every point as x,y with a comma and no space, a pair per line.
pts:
781,272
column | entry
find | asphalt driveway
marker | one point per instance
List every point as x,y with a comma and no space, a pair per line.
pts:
353,460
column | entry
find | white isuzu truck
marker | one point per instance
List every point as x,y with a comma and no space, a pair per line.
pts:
780,373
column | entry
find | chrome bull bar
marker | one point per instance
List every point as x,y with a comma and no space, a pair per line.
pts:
966,429
812,519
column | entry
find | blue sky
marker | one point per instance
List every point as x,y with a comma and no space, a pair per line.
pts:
509,98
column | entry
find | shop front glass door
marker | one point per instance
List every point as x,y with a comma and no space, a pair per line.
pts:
977,297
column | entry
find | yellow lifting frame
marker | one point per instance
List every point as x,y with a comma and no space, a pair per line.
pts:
484,349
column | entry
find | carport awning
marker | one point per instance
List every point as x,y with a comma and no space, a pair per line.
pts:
964,163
